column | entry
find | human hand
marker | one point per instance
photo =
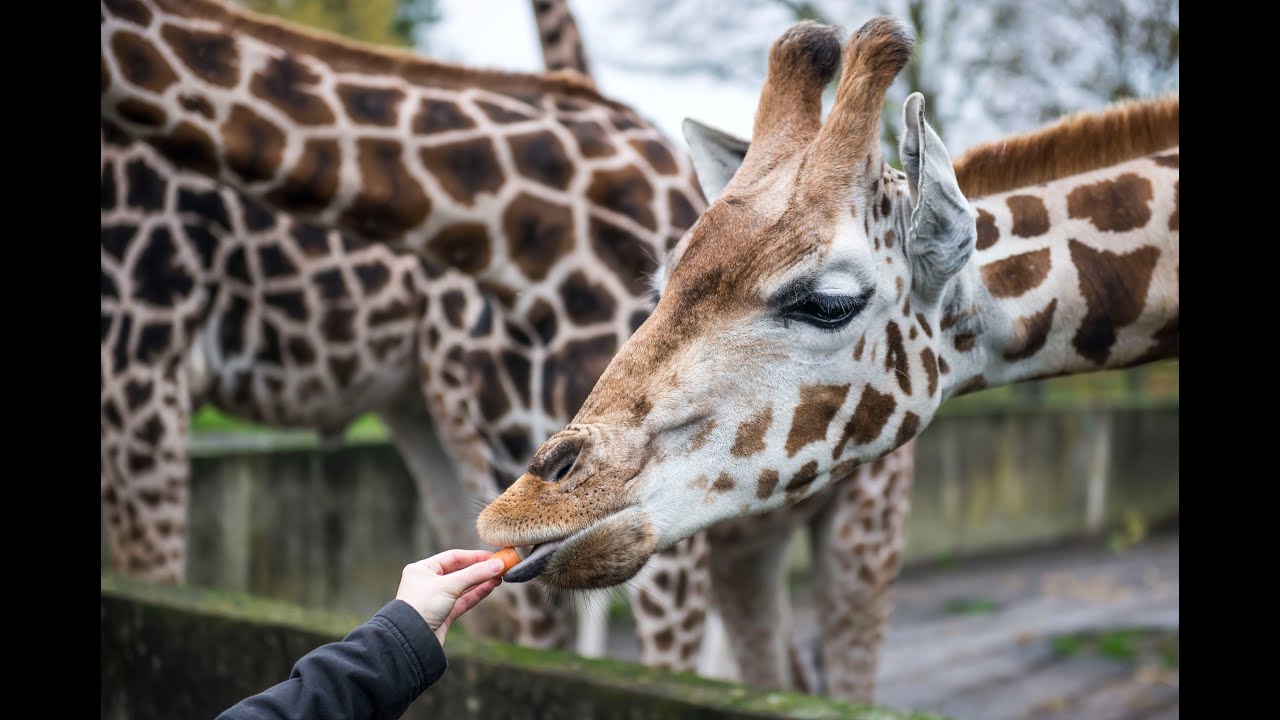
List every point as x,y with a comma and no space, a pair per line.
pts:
443,587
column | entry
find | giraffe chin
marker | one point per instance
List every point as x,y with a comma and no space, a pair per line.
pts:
608,553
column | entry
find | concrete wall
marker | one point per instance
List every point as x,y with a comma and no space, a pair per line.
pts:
178,652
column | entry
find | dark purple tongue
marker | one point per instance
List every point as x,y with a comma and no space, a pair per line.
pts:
529,568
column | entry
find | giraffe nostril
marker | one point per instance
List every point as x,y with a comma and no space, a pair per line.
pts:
558,461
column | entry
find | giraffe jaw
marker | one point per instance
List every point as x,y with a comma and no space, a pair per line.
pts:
607,552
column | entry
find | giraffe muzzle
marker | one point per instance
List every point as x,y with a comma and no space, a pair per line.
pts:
533,565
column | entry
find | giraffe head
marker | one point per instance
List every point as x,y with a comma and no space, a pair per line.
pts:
794,338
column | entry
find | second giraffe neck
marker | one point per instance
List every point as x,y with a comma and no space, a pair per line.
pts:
1068,277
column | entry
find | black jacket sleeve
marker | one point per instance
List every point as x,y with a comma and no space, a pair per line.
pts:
375,672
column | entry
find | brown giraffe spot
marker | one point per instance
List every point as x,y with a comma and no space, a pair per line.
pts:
464,169
625,191
585,301
964,341
141,112
765,484
256,217
895,357
390,200
930,368
1016,275
988,233
343,368
196,104
683,216
889,237
699,483
286,84
1030,216
395,310
464,246
857,348
1173,219
373,276
911,335
625,254
252,145
656,154
1165,344
211,56
540,156
1113,205
724,483
140,63
750,436
338,325
908,429
640,409
539,233
383,348
490,395
868,420
1170,160
543,319
503,115
799,484
593,141
906,308
898,285
519,372
844,469
189,147
924,325
438,116
884,212
274,263
132,10
663,580
704,432
516,442
371,105
583,362
331,284
300,351
624,120
818,406
1115,291
682,577
1030,333
454,304
973,384
664,639
942,365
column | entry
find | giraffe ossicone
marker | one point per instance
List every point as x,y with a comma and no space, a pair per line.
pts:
825,304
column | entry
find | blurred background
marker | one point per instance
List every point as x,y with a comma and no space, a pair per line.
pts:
1058,489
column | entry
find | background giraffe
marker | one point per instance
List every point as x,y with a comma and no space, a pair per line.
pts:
209,295
1086,279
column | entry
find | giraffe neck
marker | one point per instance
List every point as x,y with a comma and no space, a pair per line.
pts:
1072,276
559,36
375,142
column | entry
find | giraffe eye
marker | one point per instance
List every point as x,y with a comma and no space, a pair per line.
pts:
827,312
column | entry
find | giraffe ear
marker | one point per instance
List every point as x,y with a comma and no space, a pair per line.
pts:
716,156
943,229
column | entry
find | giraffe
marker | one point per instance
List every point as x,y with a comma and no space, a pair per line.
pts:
813,320
470,357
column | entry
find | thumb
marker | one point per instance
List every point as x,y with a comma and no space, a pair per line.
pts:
462,580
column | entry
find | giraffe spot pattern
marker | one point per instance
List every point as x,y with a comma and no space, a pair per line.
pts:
1113,205
465,169
625,191
1030,333
211,56
817,407
798,486
1115,292
464,246
593,141
189,147
141,112
930,368
540,156
749,439
895,357
1030,216
539,234
284,83
908,429
1017,274
390,200
869,417
140,63
370,105
585,301
623,253
253,147
132,10
656,154
197,105
435,115
988,233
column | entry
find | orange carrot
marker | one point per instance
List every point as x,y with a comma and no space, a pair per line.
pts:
509,557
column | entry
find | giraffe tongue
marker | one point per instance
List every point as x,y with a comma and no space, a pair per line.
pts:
531,566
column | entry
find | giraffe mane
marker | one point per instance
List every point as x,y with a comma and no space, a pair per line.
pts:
344,54
1073,144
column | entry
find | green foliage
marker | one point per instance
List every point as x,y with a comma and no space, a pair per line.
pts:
970,606
1131,645
382,22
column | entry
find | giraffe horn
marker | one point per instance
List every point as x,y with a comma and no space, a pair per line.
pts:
874,56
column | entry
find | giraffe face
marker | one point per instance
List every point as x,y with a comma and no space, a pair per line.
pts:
796,336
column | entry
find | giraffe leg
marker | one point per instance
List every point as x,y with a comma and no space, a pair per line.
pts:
857,549
669,601
146,414
749,592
